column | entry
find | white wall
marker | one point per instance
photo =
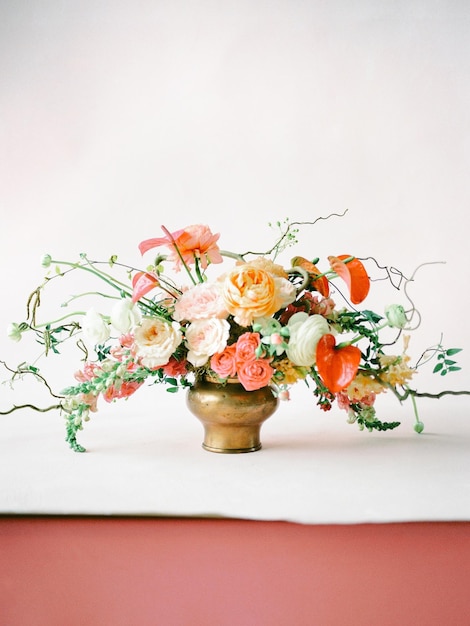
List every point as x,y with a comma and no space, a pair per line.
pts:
116,117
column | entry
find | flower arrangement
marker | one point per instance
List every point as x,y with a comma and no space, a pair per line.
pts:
256,320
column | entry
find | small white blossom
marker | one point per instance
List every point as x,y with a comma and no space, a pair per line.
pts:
95,328
125,316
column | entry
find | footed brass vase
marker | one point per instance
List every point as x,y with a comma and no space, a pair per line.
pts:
231,416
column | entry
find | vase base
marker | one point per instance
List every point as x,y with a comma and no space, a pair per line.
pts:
231,450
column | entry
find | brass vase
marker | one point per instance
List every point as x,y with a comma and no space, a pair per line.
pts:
231,416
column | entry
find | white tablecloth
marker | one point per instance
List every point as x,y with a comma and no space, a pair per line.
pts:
144,457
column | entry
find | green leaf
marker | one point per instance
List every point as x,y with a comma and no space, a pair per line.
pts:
437,368
454,368
172,389
449,362
452,351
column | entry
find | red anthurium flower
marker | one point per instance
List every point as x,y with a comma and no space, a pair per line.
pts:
142,283
354,275
319,284
337,366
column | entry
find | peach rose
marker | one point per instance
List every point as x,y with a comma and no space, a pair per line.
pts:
224,363
204,338
255,374
251,292
200,302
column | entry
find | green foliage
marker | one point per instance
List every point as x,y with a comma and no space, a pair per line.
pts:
446,365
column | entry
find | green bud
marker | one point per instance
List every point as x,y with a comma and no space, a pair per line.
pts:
14,332
419,427
396,316
46,260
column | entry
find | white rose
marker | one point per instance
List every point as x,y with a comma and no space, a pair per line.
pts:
125,316
305,333
156,340
96,330
204,338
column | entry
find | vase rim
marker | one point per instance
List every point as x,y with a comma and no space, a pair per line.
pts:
221,381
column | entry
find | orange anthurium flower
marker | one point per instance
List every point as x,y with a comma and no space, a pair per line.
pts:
187,245
169,240
337,366
354,275
319,284
142,283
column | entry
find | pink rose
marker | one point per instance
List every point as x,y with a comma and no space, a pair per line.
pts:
202,301
246,347
175,367
255,374
224,363
126,389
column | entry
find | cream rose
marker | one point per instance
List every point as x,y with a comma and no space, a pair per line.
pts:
250,292
305,332
204,338
156,340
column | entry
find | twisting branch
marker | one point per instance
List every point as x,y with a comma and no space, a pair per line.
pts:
290,225
17,407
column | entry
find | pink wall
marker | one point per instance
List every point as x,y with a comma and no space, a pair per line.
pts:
178,572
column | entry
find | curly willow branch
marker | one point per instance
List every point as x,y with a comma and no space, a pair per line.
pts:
288,230
414,310
17,407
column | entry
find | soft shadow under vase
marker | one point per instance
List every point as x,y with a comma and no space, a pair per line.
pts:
232,416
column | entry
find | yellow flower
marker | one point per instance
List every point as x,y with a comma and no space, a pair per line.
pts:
287,372
397,371
362,386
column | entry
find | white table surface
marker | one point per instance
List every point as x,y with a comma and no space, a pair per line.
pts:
144,457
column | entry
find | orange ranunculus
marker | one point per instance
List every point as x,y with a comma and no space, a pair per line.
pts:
337,366
186,245
250,292
354,275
